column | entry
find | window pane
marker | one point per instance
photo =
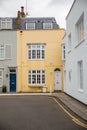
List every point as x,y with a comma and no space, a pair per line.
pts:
43,71
3,25
30,25
29,79
38,79
12,70
38,71
29,72
34,46
36,51
29,54
1,51
33,54
33,71
38,46
43,54
29,46
33,79
43,79
38,54
80,74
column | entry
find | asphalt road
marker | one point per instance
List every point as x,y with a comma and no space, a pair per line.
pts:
33,113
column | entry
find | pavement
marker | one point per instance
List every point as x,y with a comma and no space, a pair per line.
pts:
77,107
74,105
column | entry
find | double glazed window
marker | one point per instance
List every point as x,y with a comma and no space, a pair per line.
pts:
5,52
80,29
6,23
2,52
30,25
36,51
80,75
47,26
36,77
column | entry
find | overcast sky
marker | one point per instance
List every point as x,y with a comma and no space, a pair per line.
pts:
38,8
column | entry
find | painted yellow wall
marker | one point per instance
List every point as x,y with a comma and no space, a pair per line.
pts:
53,40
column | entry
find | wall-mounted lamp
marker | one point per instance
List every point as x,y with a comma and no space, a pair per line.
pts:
6,75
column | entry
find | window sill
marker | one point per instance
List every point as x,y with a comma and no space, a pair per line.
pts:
2,59
9,59
36,59
6,59
36,85
81,90
79,43
69,51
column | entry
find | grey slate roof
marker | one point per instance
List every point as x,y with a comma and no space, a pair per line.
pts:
14,26
37,20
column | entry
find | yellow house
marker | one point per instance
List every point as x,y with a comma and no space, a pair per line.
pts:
39,64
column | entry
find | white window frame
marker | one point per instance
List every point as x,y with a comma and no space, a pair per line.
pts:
2,46
30,26
1,77
4,51
48,25
80,75
33,76
36,51
80,29
6,23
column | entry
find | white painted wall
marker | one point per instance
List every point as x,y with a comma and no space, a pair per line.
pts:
77,53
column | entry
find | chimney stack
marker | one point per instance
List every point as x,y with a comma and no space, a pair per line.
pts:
20,14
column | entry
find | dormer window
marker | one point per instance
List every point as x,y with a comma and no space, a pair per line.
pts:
6,23
30,26
47,26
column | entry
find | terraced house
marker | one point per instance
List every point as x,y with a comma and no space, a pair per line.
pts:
8,53
33,50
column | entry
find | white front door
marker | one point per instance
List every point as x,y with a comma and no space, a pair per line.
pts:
57,80
1,78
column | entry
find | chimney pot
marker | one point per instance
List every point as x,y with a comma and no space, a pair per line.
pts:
22,9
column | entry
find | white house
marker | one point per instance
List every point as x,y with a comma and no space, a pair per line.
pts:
75,57
8,53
